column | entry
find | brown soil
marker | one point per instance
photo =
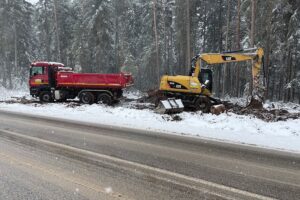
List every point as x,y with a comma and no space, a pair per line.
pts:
272,115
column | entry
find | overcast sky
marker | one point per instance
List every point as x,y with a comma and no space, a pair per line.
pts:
32,1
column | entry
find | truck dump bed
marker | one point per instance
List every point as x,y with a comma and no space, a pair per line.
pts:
95,81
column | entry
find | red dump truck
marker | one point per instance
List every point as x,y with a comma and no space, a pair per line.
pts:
51,81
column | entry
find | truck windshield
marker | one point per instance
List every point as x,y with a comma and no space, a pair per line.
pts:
36,71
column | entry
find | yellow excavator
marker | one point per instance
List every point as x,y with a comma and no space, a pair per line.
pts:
195,90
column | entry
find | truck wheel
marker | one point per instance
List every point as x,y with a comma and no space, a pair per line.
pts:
104,98
203,104
87,98
46,97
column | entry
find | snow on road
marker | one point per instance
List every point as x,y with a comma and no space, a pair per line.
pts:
227,127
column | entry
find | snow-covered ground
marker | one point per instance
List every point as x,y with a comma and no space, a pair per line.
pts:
10,94
227,127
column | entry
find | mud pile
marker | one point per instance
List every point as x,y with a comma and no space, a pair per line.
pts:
268,115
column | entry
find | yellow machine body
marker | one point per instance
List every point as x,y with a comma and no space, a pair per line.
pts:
184,84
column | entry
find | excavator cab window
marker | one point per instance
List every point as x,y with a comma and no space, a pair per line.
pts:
205,76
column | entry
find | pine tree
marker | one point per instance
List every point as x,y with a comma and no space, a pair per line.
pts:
54,21
96,34
16,40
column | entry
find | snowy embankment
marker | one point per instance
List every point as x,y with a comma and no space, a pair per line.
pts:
229,127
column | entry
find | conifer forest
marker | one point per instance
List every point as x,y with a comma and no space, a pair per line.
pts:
150,38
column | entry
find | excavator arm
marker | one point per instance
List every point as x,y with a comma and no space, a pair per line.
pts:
255,55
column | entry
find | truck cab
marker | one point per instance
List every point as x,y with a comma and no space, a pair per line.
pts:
42,79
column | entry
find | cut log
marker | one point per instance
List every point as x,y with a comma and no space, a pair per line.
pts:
217,109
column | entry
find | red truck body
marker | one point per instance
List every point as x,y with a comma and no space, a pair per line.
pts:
78,80
53,81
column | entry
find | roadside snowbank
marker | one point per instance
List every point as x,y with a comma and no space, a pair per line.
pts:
10,94
225,127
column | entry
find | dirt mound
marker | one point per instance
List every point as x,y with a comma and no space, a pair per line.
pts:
272,115
153,96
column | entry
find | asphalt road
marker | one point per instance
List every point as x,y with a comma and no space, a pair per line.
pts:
44,158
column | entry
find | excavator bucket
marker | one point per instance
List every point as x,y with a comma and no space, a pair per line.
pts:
170,106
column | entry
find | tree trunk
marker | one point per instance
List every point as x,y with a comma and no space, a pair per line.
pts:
225,80
188,36
252,34
253,19
238,46
268,48
16,46
170,64
47,32
57,32
166,39
280,89
4,83
156,41
299,96
117,56
204,29
220,88
289,76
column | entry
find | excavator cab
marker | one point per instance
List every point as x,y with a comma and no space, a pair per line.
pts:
206,77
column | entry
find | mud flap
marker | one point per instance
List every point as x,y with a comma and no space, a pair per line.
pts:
170,106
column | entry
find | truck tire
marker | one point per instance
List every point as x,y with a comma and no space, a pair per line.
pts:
87,98
104,99
203,104
46,97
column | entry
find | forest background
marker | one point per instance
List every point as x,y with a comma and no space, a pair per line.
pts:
154,37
